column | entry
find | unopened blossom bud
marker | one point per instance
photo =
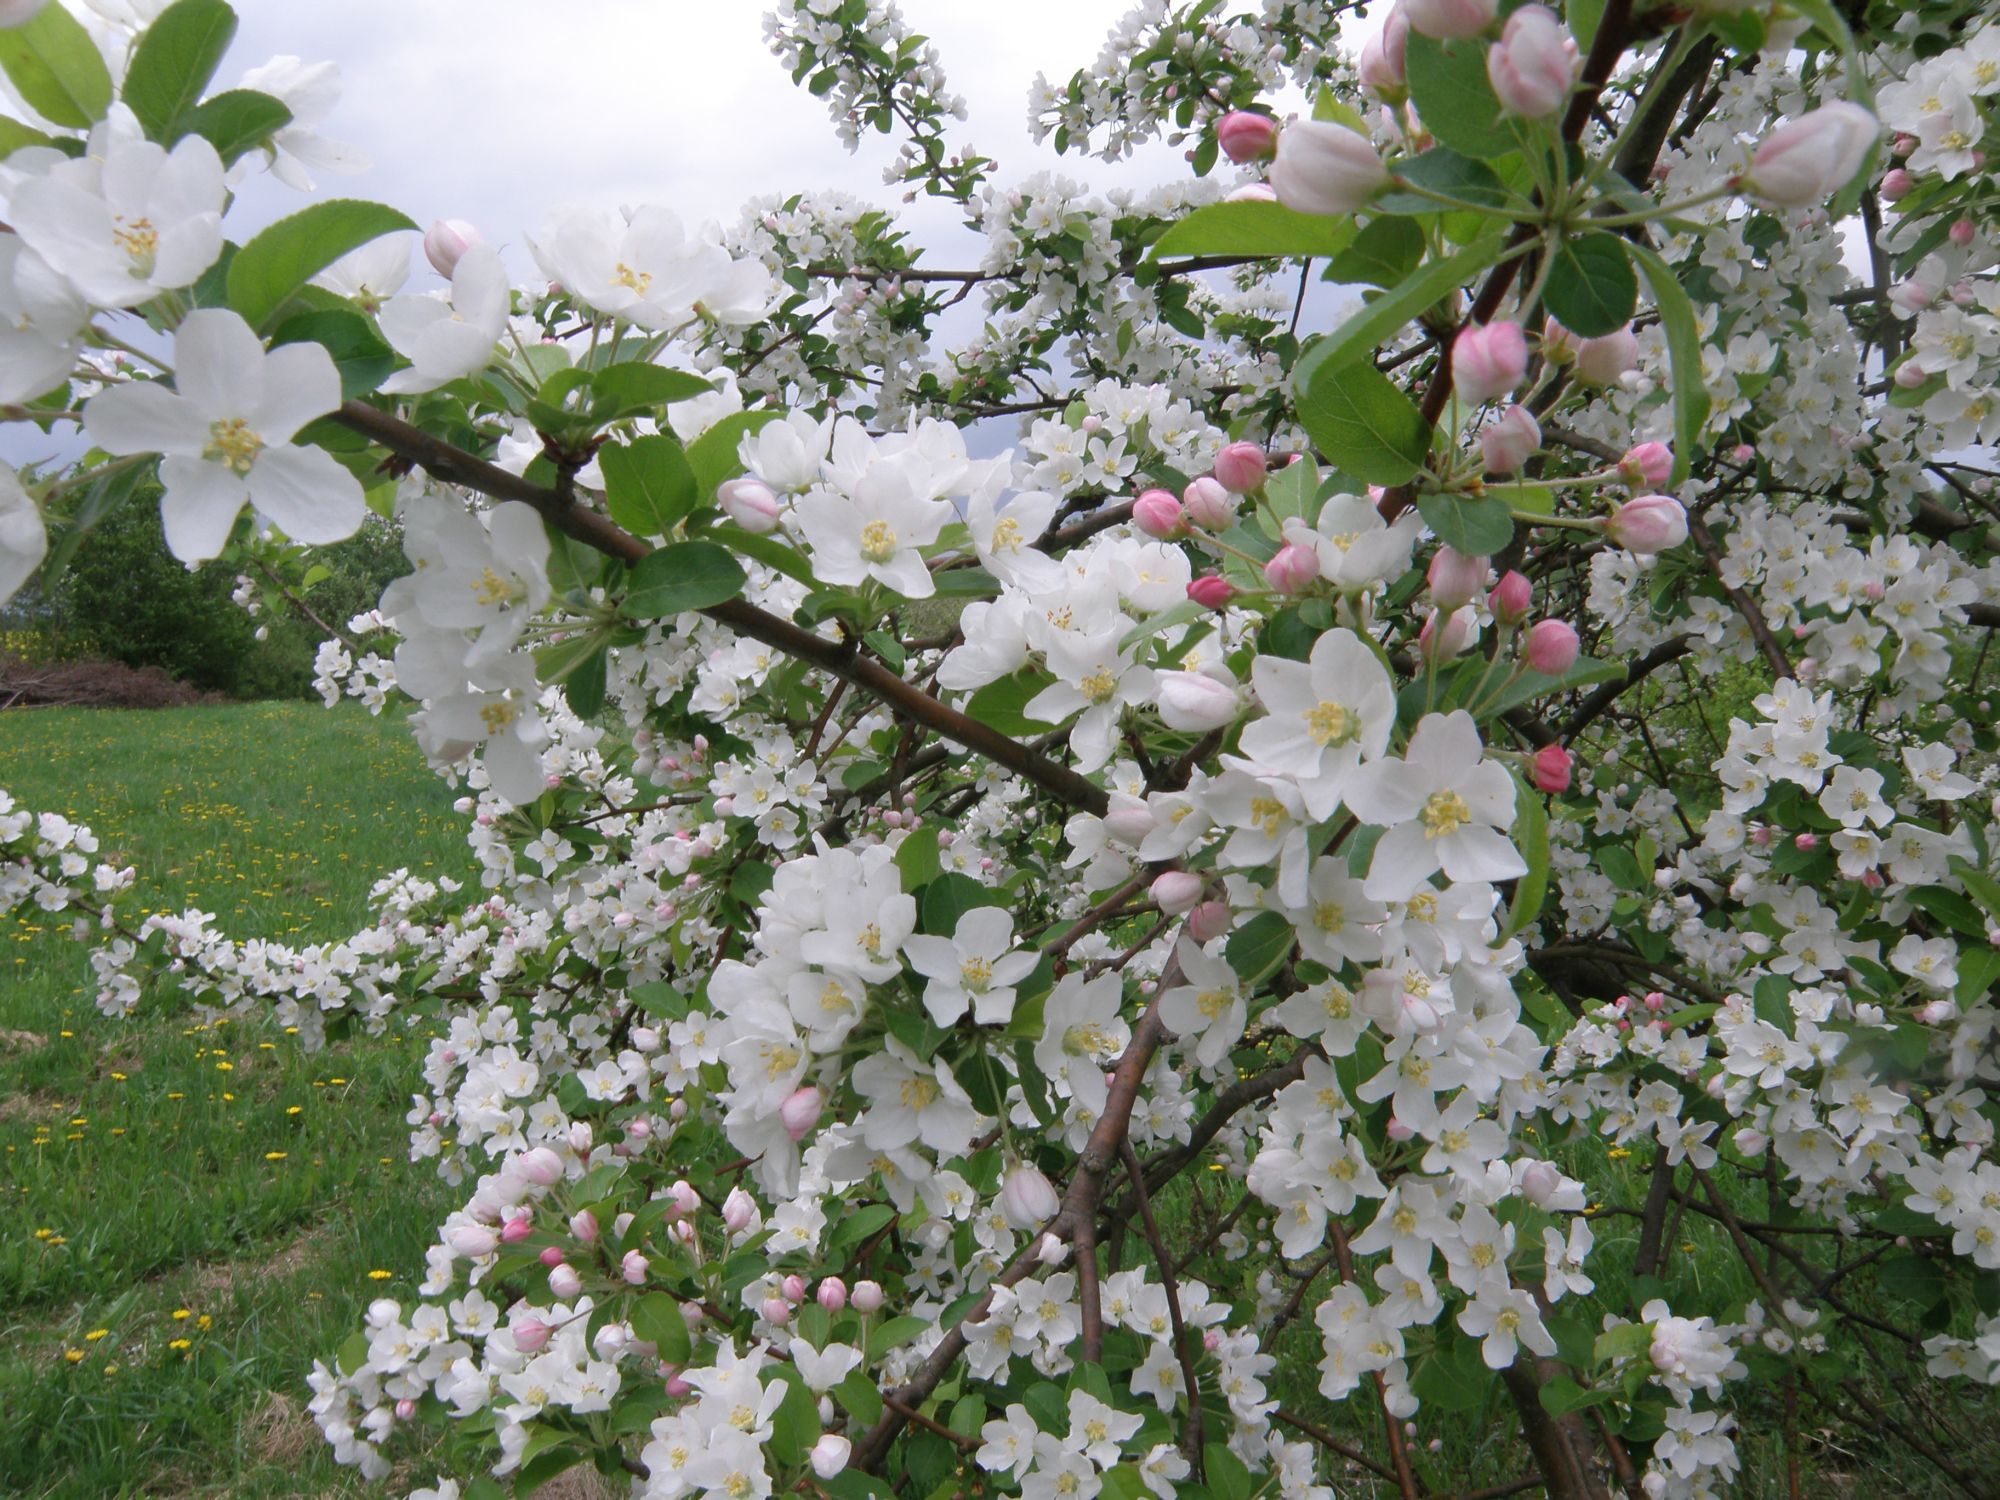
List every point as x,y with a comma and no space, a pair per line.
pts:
1805,843
1245,136
471,1241
794,1289
1445,634
1549,769
1241,468
776,1310
686,1199
1896,184
1805,161
633,1268
1539,1182
446,241
1211,591
750,503
1324,168
1909,375
1533,64
516,1230
829,1455
639,1129
1194,702
677,1385
1027,1198
1552,647
1207,504
1130,821
832,1294
1602,361
1647,464
583,1224
1051,1251
564,1283
1654,1000
1209,921
1651,523
1176,892
1510,441
530,1334
801,1111
738,1210
1292,569
1742,453
1511,598
1396,1130
1382,65
1157,513
1445,19
1488,360
581,1138
867,1297
551,1256
1961,232
1454,578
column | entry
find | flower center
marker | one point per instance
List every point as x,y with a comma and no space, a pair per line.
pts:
1267,813
870,940
1006,535
139,240
1212,1003
635,281
1330,724
1099,686
878,542
976,974
1444,812
919,1093
1328,916
232,444
497,716
489,588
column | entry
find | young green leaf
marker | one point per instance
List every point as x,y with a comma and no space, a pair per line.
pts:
688,575
648,485
272,268
57,68
173,63
1683,352
1364,425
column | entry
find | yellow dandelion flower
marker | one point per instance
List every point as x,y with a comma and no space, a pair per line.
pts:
74,1356
274,1156
380,1275
182,1314
295,1109
204,1322
182,1344
95,1334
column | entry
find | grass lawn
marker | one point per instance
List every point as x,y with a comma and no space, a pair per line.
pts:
190,1215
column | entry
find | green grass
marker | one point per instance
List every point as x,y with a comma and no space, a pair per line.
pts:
158,1166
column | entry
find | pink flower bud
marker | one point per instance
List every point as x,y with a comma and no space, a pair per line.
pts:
1130,821
1896,184
1510,440
750,503
1027,1198
832,1294
1511,598
1601,361
1445,19
1654,1000
1805,161
1396,1130
686,1199
795,1289
1488,360
1446,634
1961,232
633,1268
581,1137
1539,1182
1207,504
1292,569
1246,137
1651,523
517,1229
446,241
564,1283
801,1111
1209,921
1533,64
1805,843
1552,647
1455,579
1903,144
551,1256
1177,892
829,1455
1211,591
583,1224
777,1310
1241,468
867,1297
1194,702
1324,168
1742,453
530,1334
677,1385
1550,769
1157,513
1909,375
1382,65
541,1166
738,1209
471,1241
1648,464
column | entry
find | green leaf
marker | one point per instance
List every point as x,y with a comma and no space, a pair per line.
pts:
1915,1278
948,898
1358,337
1228,1479
1453,1378
859,1398
687,575
771,551
1475,527
1003,704
712,456
1454,97
57,68
1364,425
657,1319
237,122
1562,1395
358,351
1591,288
269,270
1255,949
891,1333
14,136
1531,837
795,1424
1684,352
1446,173
625,390
1253,229
648,485
857,1226
173,62
1386,250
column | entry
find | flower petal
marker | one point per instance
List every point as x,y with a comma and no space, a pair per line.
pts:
308,494
201,503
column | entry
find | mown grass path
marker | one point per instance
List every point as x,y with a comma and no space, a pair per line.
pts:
190,1214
